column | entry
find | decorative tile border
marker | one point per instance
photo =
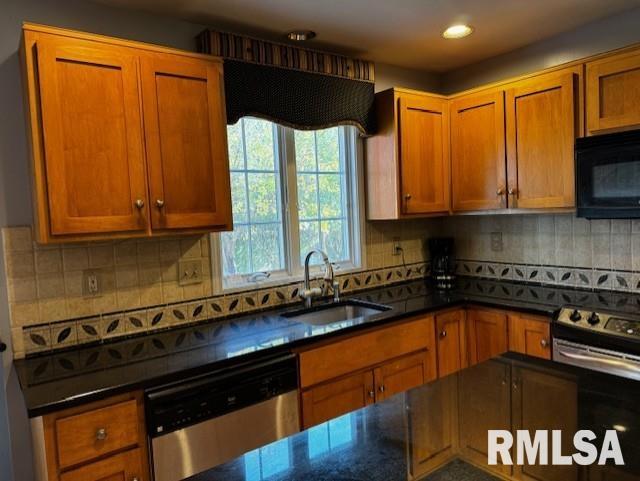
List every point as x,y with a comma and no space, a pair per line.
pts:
609,280
41,338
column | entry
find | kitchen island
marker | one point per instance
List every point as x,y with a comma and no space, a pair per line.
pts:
439,431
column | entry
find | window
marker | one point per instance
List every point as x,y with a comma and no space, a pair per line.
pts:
292,191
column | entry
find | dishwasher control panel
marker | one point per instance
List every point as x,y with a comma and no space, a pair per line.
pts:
178,405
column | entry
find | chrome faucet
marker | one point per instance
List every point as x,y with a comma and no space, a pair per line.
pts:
308,293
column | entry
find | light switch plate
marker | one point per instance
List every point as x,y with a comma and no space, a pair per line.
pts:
496,242
190,272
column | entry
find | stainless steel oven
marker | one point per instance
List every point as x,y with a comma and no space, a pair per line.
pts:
198,423
608,176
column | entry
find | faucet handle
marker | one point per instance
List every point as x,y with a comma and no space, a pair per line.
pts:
336,291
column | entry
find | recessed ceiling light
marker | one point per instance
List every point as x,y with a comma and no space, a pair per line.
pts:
301,35
457,31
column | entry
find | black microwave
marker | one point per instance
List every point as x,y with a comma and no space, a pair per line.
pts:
608,176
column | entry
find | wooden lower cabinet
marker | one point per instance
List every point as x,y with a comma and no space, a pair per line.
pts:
332,399
340,396
544,401
530,335
432,424
483,404
126,466
105,440
451,342
487,334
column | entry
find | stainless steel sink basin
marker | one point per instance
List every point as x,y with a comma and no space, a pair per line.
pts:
336,312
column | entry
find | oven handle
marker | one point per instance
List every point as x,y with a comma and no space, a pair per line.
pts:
601,360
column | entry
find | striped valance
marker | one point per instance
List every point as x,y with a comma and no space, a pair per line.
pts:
299,87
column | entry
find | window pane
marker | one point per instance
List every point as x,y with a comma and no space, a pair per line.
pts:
263,197
330,195
307,196
265,242
239,198
259,143
309,239
305,151
333,240
328,146
235,251
234,136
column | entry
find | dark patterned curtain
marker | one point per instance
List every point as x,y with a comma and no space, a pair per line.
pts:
301,88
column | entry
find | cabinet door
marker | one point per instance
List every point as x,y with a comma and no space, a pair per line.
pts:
530,335
541,131
126,466
545,401
94,159
432,424
451,342
330,400
186,138
485,403
478,163
403,374
613,93
424,154
487,334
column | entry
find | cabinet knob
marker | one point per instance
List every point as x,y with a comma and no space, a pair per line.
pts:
544,342
407,196
160,203
372,394
381,388
500,191
135,479
443,334
101,434
512,191
139,203
515,384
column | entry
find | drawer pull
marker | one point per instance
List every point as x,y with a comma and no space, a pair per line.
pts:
101,434
544,343
443,334
381,388
372,394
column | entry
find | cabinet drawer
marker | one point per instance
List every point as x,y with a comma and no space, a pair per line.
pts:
358,352
81,438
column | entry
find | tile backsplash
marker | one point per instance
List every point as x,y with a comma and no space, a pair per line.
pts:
553,249
139,282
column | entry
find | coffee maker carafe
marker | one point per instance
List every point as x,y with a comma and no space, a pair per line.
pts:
442,262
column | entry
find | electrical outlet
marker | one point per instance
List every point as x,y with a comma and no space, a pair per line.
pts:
91,283
397,248
190,272
496,242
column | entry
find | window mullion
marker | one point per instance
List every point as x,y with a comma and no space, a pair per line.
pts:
293,221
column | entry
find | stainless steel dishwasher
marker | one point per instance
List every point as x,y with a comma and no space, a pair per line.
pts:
198,423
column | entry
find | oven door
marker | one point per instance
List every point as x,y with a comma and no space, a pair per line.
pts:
608,176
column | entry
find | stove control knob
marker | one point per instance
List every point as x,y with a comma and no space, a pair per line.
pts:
575,316
593,319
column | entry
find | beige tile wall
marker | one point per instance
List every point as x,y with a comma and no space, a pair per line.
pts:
553,240
45,282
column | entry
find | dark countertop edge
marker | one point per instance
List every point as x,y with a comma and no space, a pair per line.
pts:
464,301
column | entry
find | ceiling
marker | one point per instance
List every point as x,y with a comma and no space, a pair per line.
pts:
406,33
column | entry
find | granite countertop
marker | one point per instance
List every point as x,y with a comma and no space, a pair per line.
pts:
67,378
387,441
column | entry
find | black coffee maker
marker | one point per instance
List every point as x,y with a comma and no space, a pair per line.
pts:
442,262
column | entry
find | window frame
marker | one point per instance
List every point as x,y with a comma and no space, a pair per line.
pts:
351,149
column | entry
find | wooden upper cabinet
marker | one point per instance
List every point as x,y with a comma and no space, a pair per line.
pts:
408,159
424,154
117,128
613,93
487,334
185,133
93,170
542,124
478,164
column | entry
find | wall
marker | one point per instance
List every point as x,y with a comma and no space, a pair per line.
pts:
555,249
600,36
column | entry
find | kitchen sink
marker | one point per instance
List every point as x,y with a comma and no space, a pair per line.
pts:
336,312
